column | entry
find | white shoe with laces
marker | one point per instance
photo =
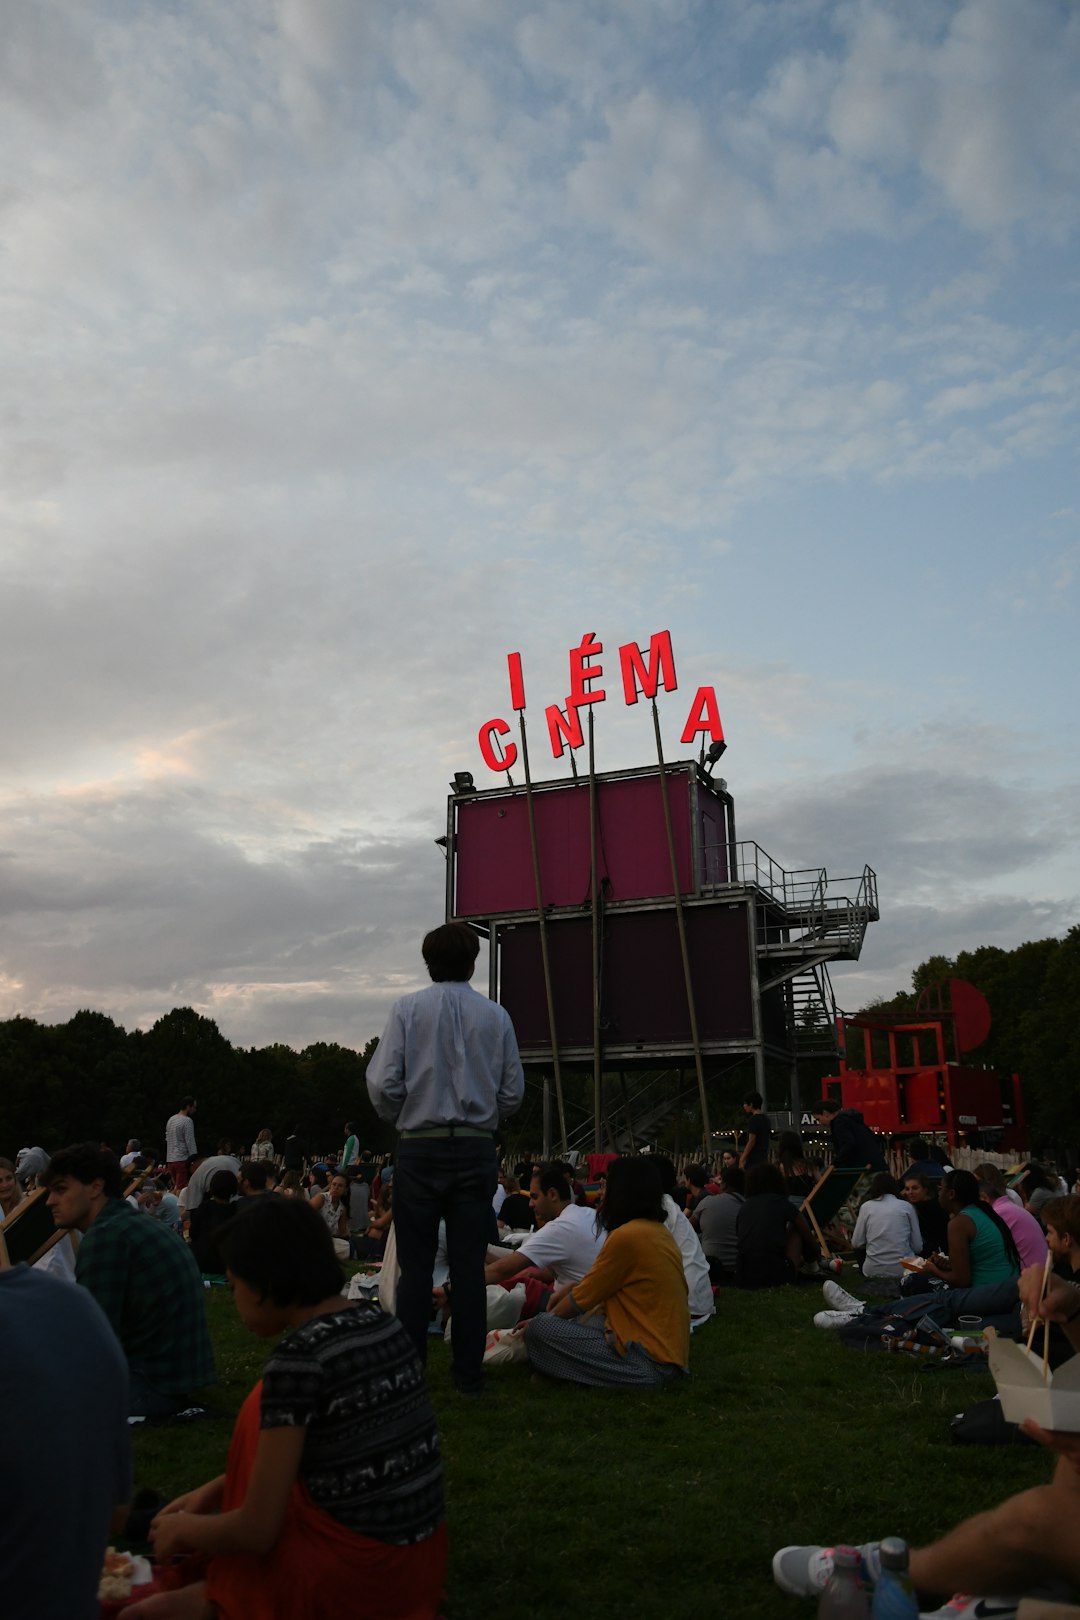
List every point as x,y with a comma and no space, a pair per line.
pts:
838,1299
806,1571
835,1319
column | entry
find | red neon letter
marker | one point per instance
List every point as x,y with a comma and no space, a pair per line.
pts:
582,672
563,728
517,684
636,672
703,716
488,731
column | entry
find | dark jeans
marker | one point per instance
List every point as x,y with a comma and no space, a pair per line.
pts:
997,1303
451,1179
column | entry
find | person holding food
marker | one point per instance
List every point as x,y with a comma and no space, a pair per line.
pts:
331,1503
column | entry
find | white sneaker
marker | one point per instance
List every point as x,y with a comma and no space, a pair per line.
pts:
838,1299
962,1607
835,1319
806,1571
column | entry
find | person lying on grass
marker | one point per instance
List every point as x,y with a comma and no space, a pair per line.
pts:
643,1336
331,1503
1026,1542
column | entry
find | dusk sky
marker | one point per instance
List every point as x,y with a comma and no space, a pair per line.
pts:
348,347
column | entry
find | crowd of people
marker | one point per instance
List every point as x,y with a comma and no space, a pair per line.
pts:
333,1481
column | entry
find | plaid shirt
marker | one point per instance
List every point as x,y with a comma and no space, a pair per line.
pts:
146,1281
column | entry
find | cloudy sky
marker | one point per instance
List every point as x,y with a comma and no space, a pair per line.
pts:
349,346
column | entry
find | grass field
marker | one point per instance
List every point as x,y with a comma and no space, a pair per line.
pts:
667,1502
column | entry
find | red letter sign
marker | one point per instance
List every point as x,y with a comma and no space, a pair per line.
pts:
582,673
517,684
492,729
563,728
635,671
703,716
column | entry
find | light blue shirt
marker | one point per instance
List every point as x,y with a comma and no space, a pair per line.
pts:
448,1056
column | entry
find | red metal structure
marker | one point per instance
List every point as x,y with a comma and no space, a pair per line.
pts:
907,1075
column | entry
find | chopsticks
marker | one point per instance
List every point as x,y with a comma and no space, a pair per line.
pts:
1045,1322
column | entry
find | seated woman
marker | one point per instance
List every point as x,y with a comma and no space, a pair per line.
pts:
922,1194
772,1239
637,1281
980,1246
516,1211
372,1245
331,1506
886,1231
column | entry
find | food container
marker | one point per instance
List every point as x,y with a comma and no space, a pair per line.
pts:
1054,1402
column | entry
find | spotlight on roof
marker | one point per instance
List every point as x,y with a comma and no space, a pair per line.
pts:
708,764
463,782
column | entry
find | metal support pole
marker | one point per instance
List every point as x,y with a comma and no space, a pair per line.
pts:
598,1081
681,922
542,920
547,1119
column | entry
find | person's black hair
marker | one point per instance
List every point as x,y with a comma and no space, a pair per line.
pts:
450,952
929,1184
553,1178
790,1144
283,1248
188,1102
667,1171
917,1148
632,1192
765,1178
253,1171
1034,1177
733,1179
319,1176
881,1184
696,1175
86,1162
825,1106
223,1184
965,1189
350,1127
753,1098
523,1170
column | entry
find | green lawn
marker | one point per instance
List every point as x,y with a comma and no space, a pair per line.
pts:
650,1504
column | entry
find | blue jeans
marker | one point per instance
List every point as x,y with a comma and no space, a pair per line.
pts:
997,1303
451,1179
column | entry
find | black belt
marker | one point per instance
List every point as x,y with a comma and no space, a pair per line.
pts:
446,1132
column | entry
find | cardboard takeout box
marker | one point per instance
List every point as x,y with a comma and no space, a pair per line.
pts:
1053,1402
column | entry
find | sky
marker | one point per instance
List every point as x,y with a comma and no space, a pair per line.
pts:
347,348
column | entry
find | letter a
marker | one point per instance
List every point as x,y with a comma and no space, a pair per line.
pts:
703,716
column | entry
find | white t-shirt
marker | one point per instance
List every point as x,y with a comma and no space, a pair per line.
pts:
568,1245
888,1229
695,1265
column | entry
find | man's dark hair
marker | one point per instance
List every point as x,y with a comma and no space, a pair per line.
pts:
283,1248
696,1174
993,1179
254,1173
450,952
825,1106
917,1148
765,1178
86,1162
754,1099
187,1102
523,1171
223,1184
350,1127
733,1179
553,1178
881,1184
632,1192
666,1168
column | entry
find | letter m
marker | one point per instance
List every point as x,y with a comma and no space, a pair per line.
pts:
648,673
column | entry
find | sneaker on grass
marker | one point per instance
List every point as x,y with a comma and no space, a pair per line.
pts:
835,1319
806,1571
962,1607
838,1299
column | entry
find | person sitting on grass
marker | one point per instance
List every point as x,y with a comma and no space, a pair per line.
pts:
642,1336
981,1247
1026,1542
331,1503
773,1240
715,1221
209,1217
886,1230
921,1192
695,1265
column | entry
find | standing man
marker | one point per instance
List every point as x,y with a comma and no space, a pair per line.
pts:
446,1072
854,1144
180,1143
758,1132
350,1153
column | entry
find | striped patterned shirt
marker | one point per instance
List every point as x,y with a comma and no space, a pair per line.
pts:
371,1454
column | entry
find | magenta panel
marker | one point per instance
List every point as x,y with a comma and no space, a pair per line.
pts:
493,860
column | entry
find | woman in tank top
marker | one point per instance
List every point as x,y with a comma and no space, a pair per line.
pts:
981,1247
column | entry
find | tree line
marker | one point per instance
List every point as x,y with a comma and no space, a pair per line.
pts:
90,1079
